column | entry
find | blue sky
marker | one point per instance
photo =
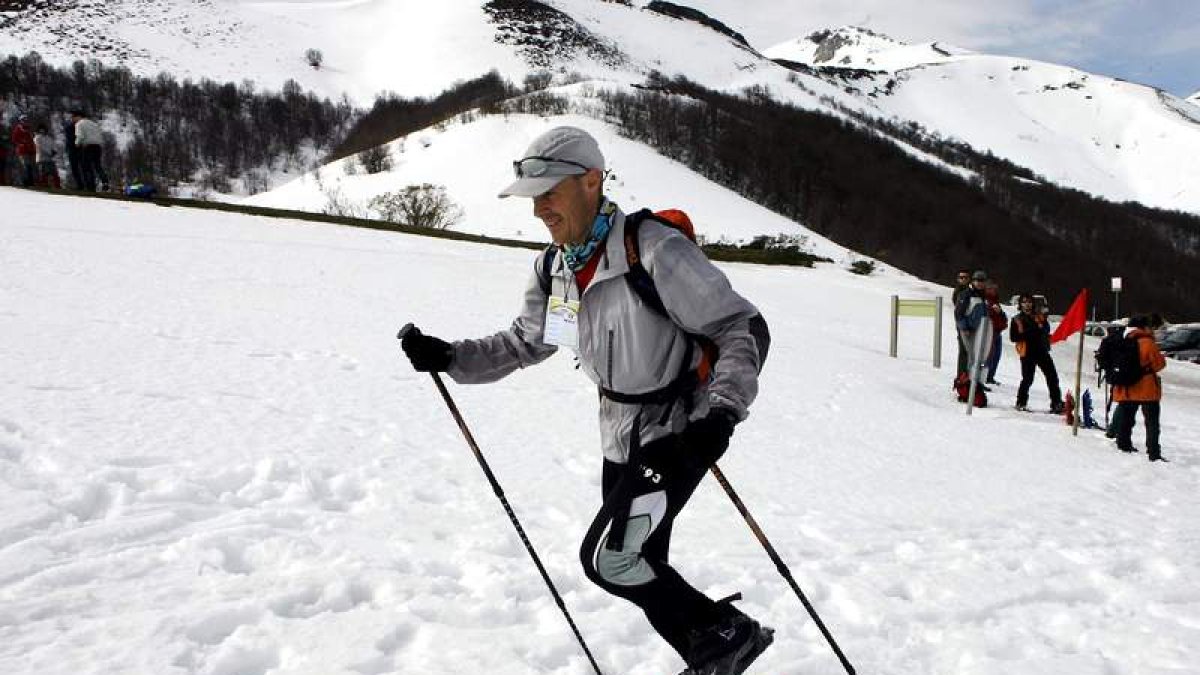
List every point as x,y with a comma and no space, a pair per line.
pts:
1154,42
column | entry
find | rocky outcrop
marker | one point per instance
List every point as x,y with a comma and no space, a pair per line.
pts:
545,36
690,14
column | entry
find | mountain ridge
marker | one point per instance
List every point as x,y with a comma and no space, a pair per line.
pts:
366,47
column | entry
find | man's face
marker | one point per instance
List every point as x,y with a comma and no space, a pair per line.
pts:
979,283
964,278
1027,305
568,209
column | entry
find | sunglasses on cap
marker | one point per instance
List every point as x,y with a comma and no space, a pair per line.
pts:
536,167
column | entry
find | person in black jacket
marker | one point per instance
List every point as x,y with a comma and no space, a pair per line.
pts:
1030,331
962,285
73,158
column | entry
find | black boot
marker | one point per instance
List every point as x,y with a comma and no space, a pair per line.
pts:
727,647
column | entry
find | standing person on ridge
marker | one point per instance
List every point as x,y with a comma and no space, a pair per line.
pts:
25,151
664,420
3,155
1030,331
74,161
47,170
90,141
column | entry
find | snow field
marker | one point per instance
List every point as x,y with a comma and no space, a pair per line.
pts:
214,460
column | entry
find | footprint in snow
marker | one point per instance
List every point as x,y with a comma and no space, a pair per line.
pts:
217,626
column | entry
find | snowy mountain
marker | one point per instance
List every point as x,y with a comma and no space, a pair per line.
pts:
1194,98
1115,139
1124,141
859,48
412,47
215,461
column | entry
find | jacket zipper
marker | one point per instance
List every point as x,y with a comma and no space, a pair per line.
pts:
610,359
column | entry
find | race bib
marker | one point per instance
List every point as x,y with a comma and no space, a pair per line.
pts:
562,323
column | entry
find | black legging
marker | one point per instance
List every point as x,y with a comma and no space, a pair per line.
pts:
1127,416
673,607
92,168
1043,361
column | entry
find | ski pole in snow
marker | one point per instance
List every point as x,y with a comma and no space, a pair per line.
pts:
487,471
779,565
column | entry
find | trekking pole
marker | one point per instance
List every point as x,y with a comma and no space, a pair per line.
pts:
779,565
462,425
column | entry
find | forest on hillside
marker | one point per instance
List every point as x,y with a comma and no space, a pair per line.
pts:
849,181
846,177
169,131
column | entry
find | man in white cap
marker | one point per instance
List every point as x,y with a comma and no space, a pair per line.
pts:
667,406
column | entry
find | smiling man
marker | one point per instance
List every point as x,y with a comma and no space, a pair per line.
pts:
675,354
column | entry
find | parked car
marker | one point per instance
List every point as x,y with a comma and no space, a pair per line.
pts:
1182,342
1101,328
1039,302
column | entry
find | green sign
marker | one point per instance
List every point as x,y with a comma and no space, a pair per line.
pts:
924,308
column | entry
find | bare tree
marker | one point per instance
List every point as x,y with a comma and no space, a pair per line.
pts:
376,159
423,205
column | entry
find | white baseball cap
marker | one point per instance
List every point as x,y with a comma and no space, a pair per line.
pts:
553,156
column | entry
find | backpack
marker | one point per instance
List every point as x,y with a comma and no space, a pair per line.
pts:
1120,359
962,387
970,311
642,284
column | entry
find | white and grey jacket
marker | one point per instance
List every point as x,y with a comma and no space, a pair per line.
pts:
45,148
626,346
87,132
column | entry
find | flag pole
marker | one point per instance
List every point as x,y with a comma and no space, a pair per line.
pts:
1078,384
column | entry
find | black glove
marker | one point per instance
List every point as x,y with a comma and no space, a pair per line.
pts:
427,353
706,440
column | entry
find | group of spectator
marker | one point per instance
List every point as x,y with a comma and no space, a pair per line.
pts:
29,153
978,315
976,300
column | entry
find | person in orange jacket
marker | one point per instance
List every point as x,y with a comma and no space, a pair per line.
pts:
1146,393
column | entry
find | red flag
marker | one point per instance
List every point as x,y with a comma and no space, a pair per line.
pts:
1074,320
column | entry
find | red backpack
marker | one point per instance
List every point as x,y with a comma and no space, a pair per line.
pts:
962,387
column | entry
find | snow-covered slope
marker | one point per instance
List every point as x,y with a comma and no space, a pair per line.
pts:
413,47
639,178
1119,140
1194,98
214,460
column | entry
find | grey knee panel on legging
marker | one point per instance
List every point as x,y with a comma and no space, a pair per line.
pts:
627,566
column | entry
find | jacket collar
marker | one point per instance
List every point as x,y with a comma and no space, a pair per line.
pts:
613,264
